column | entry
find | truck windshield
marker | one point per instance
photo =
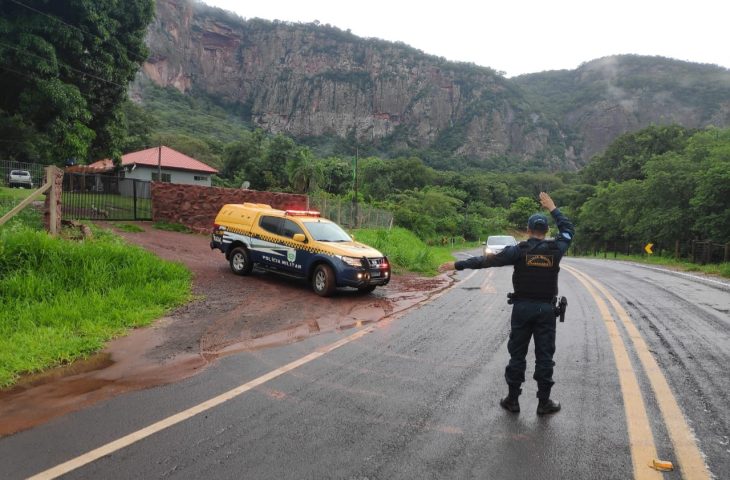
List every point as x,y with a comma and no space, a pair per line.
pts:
327,232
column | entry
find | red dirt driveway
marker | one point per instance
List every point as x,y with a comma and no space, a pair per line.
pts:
228,314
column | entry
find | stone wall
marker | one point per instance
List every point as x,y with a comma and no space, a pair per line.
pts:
196,207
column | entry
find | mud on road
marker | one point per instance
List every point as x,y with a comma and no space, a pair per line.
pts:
228,314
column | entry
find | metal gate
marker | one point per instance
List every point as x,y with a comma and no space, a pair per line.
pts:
105,197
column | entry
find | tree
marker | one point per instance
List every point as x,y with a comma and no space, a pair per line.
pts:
337,175
429,213
521,210
305,172
66,67
245,158
626,156
711,203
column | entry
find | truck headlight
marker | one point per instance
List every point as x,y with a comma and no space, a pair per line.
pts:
351,261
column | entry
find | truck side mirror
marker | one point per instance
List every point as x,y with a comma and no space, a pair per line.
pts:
299,237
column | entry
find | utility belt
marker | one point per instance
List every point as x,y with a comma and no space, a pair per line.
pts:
560,305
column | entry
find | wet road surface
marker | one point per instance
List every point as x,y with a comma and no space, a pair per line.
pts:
416,396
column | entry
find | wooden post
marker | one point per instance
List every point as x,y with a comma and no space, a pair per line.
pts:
51,173
727,253
676,249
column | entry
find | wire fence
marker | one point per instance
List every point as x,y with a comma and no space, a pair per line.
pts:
351,215
36,171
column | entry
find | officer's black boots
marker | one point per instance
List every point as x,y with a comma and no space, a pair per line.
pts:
511,401
547,406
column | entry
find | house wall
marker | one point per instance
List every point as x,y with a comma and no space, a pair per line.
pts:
180,177
196,207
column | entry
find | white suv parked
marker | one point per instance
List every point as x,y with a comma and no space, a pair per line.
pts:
20,178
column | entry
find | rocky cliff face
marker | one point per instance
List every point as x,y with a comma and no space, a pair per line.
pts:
311,80
317,81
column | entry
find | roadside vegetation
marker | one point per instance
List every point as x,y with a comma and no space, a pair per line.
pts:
9,198
721,269
61,300
128,227
172,227
408,253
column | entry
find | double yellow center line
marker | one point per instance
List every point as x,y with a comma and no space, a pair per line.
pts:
641,439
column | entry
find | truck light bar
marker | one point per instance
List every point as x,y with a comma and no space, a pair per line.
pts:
302,213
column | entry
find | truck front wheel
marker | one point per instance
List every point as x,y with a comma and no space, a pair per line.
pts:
323,280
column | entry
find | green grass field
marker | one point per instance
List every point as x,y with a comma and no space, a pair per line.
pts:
61,299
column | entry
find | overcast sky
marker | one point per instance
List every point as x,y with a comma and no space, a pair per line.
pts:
522,36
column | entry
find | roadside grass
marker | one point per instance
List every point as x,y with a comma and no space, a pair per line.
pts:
407,252
128,227
29,216
61,300
171,227
721,269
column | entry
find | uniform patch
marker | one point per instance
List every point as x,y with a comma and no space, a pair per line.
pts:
543,261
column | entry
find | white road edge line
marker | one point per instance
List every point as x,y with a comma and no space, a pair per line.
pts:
163,424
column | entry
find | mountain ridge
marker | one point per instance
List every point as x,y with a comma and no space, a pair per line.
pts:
315,81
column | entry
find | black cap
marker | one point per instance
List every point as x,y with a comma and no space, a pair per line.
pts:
538,223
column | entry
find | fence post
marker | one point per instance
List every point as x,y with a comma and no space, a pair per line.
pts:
53,199
676,249
727,253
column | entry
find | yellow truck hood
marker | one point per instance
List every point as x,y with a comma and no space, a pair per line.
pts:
352,249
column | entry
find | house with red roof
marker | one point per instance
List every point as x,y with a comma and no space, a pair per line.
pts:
156,164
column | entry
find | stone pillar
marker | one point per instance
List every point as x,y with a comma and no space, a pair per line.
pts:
52,211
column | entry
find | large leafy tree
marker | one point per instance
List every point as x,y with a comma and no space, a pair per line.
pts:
65,71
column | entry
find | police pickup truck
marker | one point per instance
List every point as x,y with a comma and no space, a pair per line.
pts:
297,243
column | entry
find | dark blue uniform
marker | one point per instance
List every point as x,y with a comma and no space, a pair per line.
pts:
535,280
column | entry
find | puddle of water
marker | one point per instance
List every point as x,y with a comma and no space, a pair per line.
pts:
360,315
121,367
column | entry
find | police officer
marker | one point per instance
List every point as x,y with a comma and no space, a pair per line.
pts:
535,279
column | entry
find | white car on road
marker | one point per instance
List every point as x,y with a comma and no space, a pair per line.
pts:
496,243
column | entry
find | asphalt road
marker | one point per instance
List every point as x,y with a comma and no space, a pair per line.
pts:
416,396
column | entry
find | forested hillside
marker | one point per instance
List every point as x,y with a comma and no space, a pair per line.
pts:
613,95
337,93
